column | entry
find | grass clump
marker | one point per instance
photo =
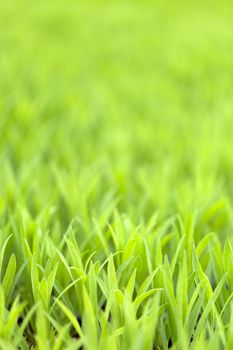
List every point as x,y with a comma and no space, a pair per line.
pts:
116,213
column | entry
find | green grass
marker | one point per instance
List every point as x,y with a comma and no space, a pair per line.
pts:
116,175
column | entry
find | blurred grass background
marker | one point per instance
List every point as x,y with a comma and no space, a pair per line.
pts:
116,103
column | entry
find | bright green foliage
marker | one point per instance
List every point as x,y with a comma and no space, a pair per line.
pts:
116,168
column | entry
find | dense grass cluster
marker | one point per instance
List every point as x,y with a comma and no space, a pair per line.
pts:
116,175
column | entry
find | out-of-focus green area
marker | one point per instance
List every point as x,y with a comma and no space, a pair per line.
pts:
139,93
134,86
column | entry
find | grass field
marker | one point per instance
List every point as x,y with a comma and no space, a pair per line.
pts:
116,175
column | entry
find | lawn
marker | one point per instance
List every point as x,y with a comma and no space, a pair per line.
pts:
116,175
